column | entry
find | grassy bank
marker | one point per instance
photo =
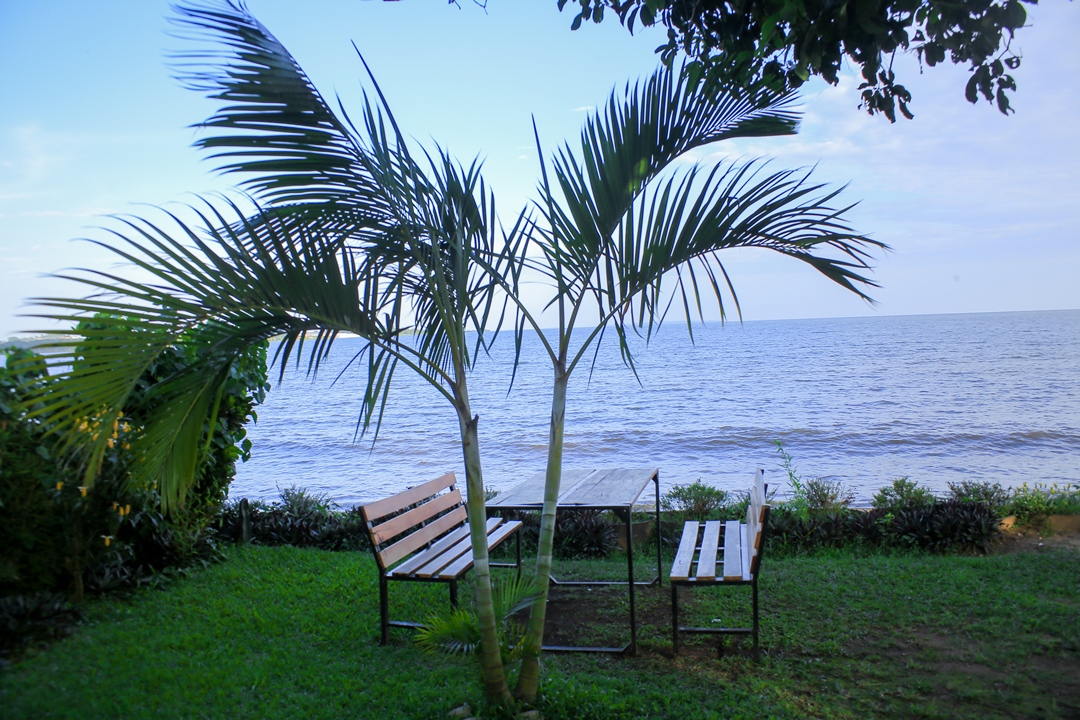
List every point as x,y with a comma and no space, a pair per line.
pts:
286,633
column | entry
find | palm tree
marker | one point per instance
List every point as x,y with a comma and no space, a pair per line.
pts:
626,235
357,237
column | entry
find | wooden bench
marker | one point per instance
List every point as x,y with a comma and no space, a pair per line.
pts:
426,527
722,553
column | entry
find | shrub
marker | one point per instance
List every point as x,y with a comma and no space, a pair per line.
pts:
827,496
300,519
946,525
34,618
1064,501
943,526
59,535
978,491
578,533
1031,506
814,496
903,493
695,501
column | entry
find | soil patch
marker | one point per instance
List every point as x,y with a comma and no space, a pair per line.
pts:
1035,540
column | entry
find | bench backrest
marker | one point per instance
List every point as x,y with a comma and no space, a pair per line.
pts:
757,518
402,524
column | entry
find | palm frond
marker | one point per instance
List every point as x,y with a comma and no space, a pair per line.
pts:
636,137
457,631
273,127
205,280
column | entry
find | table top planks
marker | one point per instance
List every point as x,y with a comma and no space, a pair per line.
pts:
604,488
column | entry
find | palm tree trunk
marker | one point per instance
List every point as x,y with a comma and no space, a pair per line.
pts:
495,684
529,680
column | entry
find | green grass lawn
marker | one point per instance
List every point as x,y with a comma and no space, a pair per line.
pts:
287,633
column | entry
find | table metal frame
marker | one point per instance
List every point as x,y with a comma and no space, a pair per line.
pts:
623,508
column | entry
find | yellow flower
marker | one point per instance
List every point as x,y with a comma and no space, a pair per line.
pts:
108,539
83,489
127,509
59,486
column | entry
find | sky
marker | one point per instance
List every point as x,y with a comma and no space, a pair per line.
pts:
981,211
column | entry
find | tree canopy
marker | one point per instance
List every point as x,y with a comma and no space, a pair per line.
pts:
782,43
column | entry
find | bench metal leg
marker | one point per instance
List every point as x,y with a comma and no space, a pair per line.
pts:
659,535
630,571
453,594
757,651
384,611
675,617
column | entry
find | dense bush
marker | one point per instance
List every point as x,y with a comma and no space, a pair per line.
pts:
61,536
578,534
34,618
827,496
903,493
943,526
1032,505
815,496
977,491
696,501
301,519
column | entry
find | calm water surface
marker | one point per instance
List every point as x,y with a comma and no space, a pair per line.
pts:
937,398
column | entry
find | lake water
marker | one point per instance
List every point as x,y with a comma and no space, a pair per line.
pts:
936,398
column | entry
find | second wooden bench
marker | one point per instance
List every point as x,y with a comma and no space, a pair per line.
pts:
427,527
722,553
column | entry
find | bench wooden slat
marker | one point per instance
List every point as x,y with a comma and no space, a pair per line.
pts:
758,500
755,558
422,558
436,562
372,511
710,541
434,565
751,522
732,551
421,537
746,553
680,569
406,521
495,536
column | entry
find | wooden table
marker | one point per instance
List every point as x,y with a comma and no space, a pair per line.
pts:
614,489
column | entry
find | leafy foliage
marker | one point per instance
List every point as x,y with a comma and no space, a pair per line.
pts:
825,496
946,526
578,533
815,495
457,631
60,533
300,519
979,491
33,619
782,43
942,526
695,501
902,493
